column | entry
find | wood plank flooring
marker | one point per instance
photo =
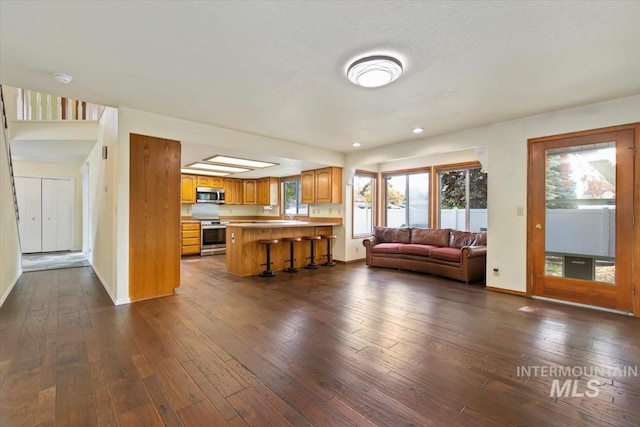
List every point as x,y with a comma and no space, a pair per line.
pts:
341,346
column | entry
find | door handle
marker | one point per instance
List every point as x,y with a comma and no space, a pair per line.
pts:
538,226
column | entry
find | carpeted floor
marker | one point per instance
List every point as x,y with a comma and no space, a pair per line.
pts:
53,261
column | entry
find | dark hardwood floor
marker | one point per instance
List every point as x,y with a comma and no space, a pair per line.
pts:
337,346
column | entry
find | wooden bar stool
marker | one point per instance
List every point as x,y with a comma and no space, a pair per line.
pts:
312,258
291,240
267,243
329,238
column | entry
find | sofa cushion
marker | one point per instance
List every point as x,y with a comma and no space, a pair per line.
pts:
386,248
430,236
413,249
461,238
392,235
480,239
446,254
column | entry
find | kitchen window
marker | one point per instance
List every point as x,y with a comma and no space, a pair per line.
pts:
291,197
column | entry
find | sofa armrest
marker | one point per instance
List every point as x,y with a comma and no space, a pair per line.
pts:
370,242
474,251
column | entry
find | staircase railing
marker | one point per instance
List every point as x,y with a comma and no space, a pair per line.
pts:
32,105
5,127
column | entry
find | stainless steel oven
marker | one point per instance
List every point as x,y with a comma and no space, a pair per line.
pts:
214,237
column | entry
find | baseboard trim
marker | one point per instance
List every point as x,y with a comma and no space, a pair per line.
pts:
577,304
353,261
507,291
10,288
115,301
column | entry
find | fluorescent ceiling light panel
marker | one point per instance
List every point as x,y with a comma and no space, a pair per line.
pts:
220,168
239,162
201,172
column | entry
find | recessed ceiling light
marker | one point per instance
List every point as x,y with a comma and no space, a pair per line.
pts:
374,71
239,162
417,130
356,144
201,172
220,168
62,78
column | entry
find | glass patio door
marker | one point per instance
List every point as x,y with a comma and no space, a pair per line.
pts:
581,218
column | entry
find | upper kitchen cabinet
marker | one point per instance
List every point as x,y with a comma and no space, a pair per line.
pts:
267,189
322,185
210,181
307,187
233,191
249,191
188,189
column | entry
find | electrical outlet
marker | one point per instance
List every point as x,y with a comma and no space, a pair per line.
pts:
496,270
357,249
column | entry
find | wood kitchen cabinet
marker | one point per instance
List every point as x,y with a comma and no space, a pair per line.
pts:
210,181
321,185
188,189
267,189
190,238
249,191
307,187
233,191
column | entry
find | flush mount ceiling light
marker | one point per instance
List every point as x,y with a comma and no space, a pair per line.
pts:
62,78
356,144
417,130
374,71
219,168
239,162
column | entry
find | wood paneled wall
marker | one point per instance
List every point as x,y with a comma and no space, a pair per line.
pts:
154,217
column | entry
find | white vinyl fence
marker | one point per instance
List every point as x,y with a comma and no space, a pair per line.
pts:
581,231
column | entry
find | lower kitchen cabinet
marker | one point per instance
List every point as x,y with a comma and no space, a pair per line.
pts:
190,234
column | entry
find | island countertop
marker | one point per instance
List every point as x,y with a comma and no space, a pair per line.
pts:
245,254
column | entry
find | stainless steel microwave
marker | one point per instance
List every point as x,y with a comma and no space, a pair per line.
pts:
209,195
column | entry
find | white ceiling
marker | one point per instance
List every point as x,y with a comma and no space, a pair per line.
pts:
277,68
52,151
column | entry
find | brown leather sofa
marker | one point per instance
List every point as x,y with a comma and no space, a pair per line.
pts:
459,255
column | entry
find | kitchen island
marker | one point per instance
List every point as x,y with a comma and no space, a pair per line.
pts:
245,254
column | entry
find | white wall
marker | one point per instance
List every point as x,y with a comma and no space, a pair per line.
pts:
506,144
102,206
10,258
53,170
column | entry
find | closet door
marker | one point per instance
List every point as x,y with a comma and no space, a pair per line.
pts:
29,192
57,207
49,215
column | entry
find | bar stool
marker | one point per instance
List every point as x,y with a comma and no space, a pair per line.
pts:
267,243
291,240
312,258
329,238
